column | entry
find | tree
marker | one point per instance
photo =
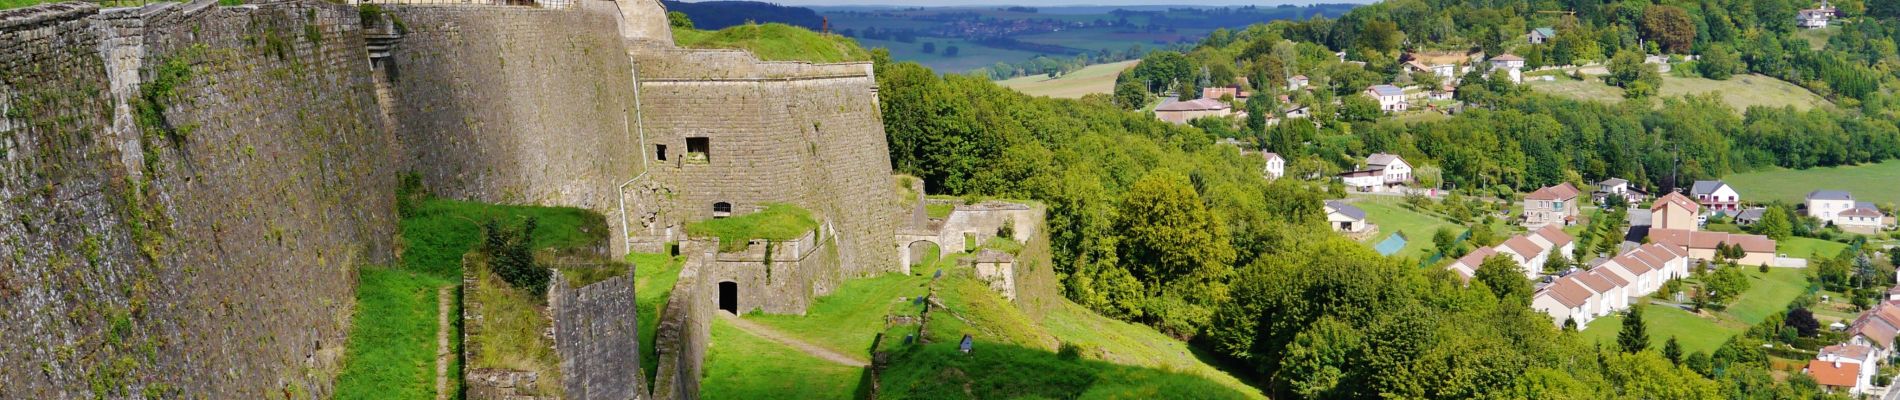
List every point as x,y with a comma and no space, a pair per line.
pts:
1359,108
1775,224
1669,26
1443,239
678,19
1637,78
1718,62
1803,322
1556,264
1634,337
1504,277
1179,249
1429,176
1672,350
1131,95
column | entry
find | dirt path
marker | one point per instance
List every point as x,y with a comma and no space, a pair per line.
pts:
442,297
781,338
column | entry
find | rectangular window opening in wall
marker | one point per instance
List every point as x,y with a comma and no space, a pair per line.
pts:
659,152
698,149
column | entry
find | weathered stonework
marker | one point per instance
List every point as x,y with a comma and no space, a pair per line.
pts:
594,332
211,226
681,339
778,280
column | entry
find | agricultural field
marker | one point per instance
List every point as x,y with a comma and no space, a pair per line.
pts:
1099,78
1740,91
1793,185
1767,294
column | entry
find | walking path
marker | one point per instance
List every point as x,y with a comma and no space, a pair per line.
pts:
442,297
774,335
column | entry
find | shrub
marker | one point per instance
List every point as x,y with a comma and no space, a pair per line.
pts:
511,256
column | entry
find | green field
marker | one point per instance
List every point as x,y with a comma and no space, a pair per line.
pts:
1099,78
1793,185
1810,248
848,320
740,365
1393,216
1740,91
1767,294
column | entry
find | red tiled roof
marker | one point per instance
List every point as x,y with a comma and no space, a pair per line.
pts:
1708,240
1654,260
1837,374
1523,246
1634,265
1879,324
1560,192
1596,283
1609,276
1554,235
1679,200
1570,292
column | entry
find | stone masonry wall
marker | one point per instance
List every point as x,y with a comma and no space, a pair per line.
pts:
185,191
594,332
515,104
684,331
798,270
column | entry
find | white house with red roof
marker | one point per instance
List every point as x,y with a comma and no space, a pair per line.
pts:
1567,299
1837,376
1552,205
1381,170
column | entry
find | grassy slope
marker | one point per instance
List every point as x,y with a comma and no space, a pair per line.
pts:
1002,371
1768,294
848,320
653,277
392,337
1793,185
1099,78
1740,91
742,366
1392,216
776,42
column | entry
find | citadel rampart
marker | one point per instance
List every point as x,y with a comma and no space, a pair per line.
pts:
186,190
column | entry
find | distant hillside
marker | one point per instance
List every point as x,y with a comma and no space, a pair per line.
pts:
715,15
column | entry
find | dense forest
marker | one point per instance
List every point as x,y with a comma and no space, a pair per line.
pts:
1157,224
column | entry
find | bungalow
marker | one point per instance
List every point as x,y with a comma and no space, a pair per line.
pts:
1716,197
1276,166
1390,98
1839,208
1180,112
1446,71
1567,299
1749,216
1346,218
1541,35
1553,205
1674,211
1511,64
1381,170
1836,377
1756,249
1226,91
1863,218
1620,188
1296,83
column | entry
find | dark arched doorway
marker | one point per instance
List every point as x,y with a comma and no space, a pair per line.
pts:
729,297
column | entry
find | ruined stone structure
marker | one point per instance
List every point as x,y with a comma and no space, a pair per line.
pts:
189,187
185,193
967,226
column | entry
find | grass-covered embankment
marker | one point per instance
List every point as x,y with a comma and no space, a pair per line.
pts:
775,42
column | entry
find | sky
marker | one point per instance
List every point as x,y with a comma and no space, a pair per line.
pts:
1046,3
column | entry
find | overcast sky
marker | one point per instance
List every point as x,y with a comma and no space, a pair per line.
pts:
1044,3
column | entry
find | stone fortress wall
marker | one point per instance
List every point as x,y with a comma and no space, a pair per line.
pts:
185,192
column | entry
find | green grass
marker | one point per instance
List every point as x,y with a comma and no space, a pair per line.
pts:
1099,78
1793,185
939,210
1817,38
440,231
989,316
742,366
776,42
777,222
848,320
1767,294
1810,248
653,279
512,326
391,350
1740,91
1003,371
1132,344
1392,216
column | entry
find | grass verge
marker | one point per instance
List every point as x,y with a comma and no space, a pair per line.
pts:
391,349
653,279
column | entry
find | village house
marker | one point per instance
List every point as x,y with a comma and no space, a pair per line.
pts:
1296,83
1180,112
1390,98
1528,251
1610,297
1553,205
1828,204
1864,218
1346,218
1511,64
1837,207
1225,92
1716,197
1619,188
1381,170
1444,92
1276,166
1862,355
1756,249
1528,255
1674,211
1554,239
1567,299
1467,267
1541,35
1749,216
1836,377
1876,327
1815,18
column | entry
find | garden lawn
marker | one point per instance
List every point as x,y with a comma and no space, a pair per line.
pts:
1392,216
1767,295
1792,185
1098,78
849,319
1810,248
742,366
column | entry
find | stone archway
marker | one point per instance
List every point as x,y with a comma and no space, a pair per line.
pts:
729,297
921,252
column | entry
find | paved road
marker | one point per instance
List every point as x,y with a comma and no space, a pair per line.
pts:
770,334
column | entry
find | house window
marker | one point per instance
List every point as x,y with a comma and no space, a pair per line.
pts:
659,152
698,149
722,209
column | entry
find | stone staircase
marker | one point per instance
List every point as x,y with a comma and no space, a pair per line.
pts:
381,38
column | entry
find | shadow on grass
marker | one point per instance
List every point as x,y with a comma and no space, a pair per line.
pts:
999,371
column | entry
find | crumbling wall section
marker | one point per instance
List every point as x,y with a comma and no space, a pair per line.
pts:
594,332
186,190
515,104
